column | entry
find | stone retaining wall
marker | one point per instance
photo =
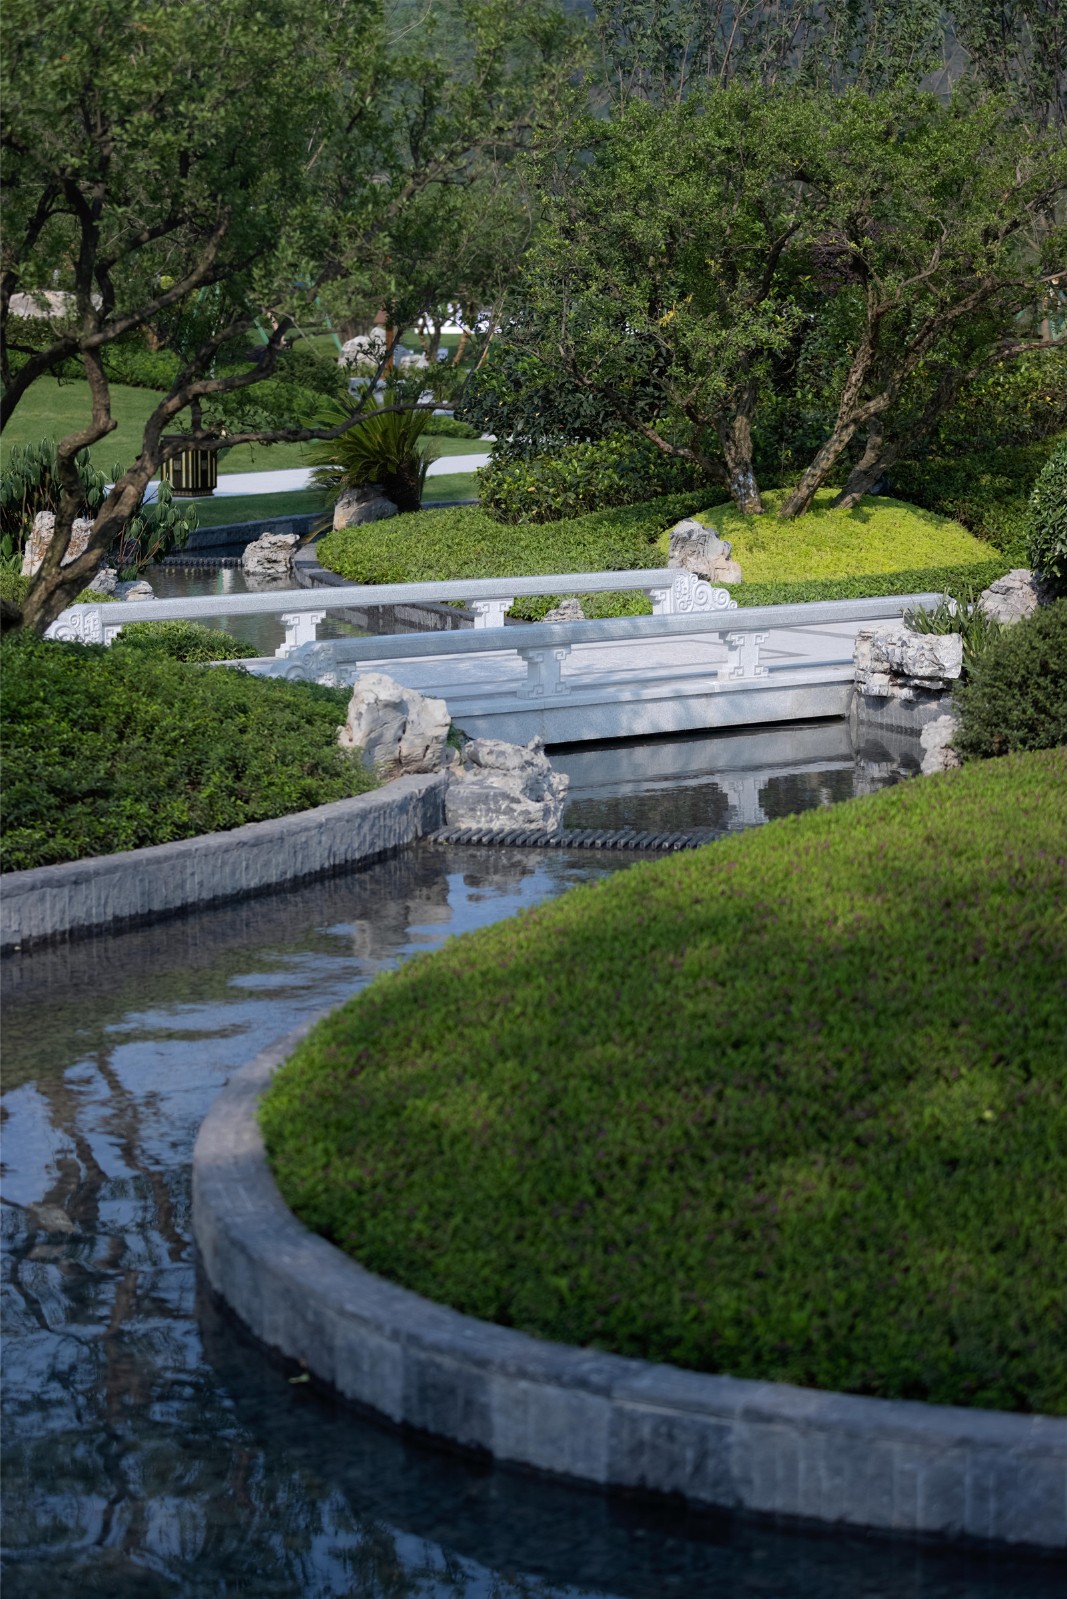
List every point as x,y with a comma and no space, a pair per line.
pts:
140,885
765,1447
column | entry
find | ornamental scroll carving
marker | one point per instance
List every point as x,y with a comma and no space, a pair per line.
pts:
692,594
81,624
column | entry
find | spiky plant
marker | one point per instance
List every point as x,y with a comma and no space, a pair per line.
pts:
382,448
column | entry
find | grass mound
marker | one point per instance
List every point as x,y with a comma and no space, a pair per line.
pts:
825,555
108,750
879,535
792,1107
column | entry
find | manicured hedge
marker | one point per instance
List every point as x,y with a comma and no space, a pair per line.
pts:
1047,547
791,1107
110,749
184,641
987,493
880,535
882,548
1014,696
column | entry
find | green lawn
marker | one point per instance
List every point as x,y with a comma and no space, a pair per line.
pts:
51,409
791,1107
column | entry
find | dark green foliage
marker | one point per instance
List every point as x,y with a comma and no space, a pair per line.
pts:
576,478
1048,521
111,749
382,448
184,641
988,493
1015,697
959,612
449,427
791,1107
28,485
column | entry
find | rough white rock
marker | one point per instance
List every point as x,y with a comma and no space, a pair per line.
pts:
398,729
694,547
366,504
139,589
271,555
44,524
568,610
1012,597
502,786
936,740
364,353
106,581
897,663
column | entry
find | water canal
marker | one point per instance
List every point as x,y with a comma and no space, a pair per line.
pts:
151,1449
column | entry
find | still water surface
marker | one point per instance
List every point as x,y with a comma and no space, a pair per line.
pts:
151,1449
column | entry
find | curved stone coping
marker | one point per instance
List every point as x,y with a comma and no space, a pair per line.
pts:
141,885
616,1422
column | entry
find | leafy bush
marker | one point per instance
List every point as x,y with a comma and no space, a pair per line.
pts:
987,493
14,587
28,485
183,641
447,427
383,448
880,535
776,1153
466,542
1047,548
577,478
958,611
1018,402
1016,694
110,749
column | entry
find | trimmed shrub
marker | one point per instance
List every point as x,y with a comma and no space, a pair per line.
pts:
915,580
110,749
719,1110
1047,548
880,535
14,587
184,641
448,427
987,493
1015,697
578,478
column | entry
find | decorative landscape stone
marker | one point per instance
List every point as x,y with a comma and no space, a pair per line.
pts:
936,740
568,610
697,548
44,525
398,729
271,555
897,663
365,504
1013,597
500,786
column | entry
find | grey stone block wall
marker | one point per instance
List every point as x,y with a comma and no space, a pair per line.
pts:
722,1441
110,891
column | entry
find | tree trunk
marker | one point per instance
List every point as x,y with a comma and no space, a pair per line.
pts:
878,456
736,441
812,480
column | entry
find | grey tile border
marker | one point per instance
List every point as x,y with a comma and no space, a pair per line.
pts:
603,1419
106,892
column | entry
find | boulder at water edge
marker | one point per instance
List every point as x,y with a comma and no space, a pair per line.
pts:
694,547
1012,597
366,504
894,662
271,555
502,786
568,610
398,729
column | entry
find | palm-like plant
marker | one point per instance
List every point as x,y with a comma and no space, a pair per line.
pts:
383,448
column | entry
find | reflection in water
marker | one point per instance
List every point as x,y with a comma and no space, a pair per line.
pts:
265,632
151,1450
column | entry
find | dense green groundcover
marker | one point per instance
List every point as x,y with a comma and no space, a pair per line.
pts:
880,548
111,749
793,1106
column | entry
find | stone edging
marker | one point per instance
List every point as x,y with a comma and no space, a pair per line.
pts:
140,885
600,1418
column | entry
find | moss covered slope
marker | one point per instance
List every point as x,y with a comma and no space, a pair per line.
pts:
791,1107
